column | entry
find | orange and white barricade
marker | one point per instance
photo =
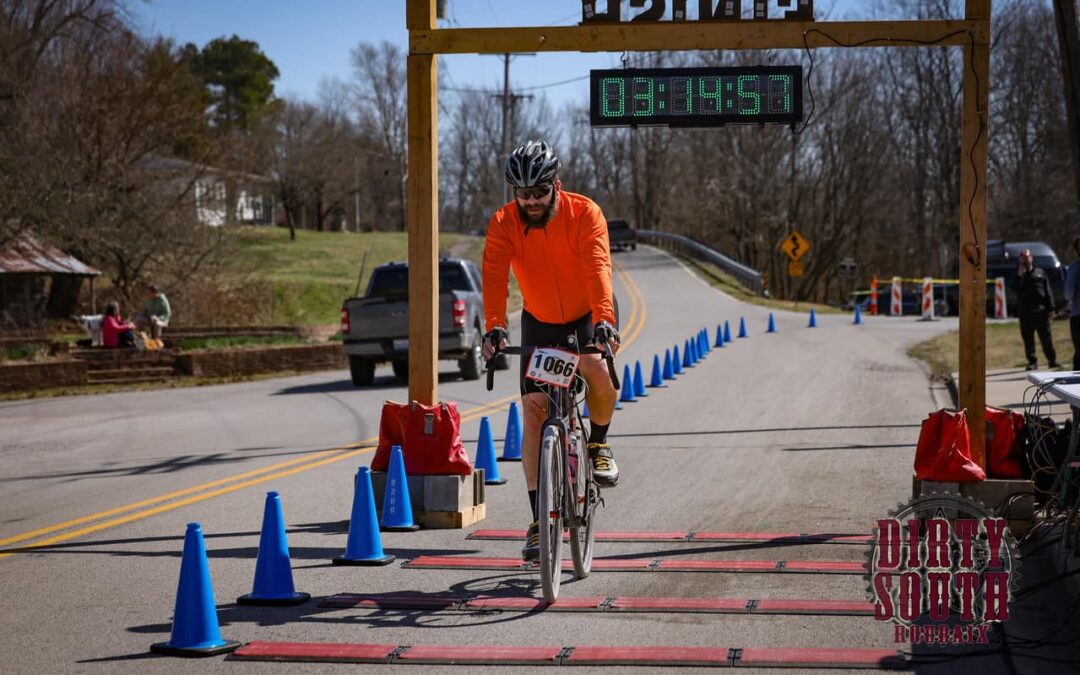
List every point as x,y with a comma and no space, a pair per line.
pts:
1000,310
896,304
873,296
927,299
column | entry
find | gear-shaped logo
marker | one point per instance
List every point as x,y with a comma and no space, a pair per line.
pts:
942,556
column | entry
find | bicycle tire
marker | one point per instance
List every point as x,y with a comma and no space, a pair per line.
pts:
549,496
586,498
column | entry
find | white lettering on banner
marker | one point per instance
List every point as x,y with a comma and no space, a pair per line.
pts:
553,366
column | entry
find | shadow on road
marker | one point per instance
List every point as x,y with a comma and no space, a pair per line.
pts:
169,465
337,386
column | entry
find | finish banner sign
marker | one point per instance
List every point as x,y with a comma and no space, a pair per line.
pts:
943,570
695,97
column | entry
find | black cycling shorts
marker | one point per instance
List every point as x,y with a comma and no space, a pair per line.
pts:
536,333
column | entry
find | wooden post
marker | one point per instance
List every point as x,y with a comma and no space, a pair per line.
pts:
972,386
423,196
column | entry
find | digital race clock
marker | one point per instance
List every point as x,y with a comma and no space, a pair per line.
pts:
703,97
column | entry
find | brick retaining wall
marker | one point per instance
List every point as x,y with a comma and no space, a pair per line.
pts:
233,362
42,375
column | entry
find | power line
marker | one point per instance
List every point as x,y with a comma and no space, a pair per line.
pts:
533,88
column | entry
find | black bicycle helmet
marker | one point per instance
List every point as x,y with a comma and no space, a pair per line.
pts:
531,164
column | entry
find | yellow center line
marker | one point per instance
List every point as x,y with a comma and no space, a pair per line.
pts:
279,470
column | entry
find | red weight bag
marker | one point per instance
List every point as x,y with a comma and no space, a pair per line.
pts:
944,450
1004,443
429,436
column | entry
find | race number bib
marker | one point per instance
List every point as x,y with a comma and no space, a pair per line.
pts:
553,366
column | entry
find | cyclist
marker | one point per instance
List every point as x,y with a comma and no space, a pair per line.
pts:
557,244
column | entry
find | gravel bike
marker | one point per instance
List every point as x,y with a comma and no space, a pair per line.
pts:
566,494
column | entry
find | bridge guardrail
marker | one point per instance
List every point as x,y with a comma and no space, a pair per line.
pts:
692,248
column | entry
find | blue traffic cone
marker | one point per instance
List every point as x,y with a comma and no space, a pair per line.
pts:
397,504
669,372
705,346
694,355
618,404
813,319
514,432
627,385
485,454
702,347
657,380
727,331
719,336
364,546
858,316
742,327
772,324
687,360
639,381
273,572
676,361
584,409
195,630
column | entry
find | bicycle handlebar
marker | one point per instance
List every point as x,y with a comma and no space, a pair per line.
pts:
605,351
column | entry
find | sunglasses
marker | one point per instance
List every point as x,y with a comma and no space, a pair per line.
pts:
538,192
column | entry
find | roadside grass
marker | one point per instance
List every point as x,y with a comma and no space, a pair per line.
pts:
729,285
1004,349
233,341
308,278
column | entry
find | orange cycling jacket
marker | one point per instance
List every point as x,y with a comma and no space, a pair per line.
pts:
563,269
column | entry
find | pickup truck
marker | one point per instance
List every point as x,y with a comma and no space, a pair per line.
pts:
375,327
620,235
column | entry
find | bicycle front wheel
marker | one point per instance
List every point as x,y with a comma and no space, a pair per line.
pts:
586,497
549,496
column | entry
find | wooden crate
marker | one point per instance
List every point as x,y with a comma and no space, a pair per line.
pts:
442,501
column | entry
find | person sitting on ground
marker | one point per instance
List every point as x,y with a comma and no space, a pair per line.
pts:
115,332
155,314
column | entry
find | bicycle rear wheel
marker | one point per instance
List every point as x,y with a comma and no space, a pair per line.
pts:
549,496
586,496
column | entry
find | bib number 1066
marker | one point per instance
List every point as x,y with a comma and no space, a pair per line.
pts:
553,366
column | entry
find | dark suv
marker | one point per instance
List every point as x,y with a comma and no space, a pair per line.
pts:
621,235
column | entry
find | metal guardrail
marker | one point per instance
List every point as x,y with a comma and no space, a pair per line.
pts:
691,248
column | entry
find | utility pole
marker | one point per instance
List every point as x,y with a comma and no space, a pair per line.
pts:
1069,43
508,100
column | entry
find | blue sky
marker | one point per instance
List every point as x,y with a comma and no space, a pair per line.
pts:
311,40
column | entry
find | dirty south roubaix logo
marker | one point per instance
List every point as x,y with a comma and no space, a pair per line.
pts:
943,569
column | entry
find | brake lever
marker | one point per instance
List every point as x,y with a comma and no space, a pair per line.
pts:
610,359
490,365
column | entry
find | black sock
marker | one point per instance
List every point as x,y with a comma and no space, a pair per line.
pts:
598,432
532,503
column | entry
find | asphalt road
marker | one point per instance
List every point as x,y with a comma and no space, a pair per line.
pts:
802,430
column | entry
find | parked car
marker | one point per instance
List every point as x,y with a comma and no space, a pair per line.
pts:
910,300
620,235
375,327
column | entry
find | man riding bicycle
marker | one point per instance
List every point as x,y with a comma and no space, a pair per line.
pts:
557,244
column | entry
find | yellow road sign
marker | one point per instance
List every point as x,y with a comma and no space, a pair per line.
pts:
795,245
794,268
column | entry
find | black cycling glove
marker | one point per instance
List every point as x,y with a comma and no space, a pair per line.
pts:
604,332
497,335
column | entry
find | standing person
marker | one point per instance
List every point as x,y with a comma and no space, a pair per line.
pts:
1072,295
557,244
115,332
156,313
1035,305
